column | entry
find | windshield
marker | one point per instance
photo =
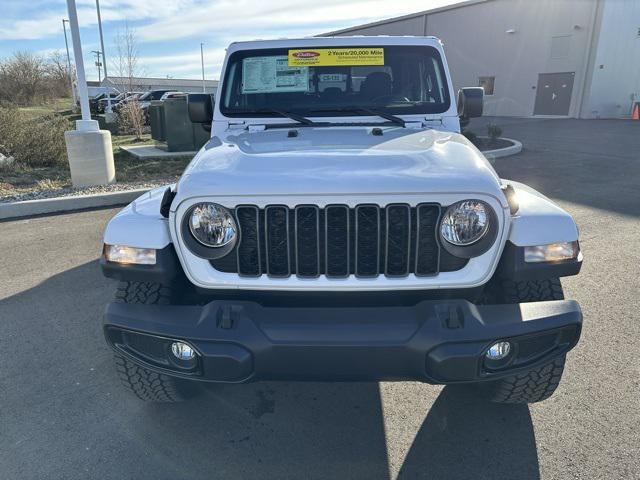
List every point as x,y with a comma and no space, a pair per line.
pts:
335,81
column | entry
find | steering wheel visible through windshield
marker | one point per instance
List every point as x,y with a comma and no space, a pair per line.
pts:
335,81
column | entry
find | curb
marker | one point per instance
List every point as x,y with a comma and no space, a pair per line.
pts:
504,152
28,208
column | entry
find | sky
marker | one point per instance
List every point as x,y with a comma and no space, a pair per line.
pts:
169,32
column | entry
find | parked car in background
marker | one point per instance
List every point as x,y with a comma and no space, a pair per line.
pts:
146,99
126,100
172,95
102,103
93,102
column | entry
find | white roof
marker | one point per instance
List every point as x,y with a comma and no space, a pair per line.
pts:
346,41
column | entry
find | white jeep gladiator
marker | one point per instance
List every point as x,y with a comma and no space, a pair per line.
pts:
338,227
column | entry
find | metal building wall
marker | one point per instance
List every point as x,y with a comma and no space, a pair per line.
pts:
615,81
511,40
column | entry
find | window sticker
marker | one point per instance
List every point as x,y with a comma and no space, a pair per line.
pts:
332,57
273,75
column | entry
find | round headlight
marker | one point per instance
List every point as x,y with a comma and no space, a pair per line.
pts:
212,225
465,222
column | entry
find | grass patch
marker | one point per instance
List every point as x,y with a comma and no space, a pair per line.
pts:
61,106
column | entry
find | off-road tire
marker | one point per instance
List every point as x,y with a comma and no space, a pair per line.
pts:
531,290
148,293
532,386
145,384
501,291
539,383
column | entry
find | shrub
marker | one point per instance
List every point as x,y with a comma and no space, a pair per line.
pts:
131,120
34,142
494,132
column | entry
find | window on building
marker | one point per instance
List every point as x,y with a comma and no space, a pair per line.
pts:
487,84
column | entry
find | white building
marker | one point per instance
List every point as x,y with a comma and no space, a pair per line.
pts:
576,58
141,84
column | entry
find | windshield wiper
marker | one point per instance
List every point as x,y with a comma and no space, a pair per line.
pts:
369,110
291,115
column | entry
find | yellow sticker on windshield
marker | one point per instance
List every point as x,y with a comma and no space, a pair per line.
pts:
335,57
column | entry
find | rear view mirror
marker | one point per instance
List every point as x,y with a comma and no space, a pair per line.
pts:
200,106
470,101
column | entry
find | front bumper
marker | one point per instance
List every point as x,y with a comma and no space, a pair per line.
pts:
436,341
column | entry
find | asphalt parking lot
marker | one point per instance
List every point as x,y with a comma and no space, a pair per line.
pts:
63,413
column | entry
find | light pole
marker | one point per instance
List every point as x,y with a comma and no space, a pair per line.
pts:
104,57
88,148
204,84
69,72
87,123
97,53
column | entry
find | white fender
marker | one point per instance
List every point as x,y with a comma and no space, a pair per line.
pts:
140,224
539,221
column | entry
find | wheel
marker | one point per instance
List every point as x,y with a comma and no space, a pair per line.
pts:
509,291
533,386
531,291
145,384
539,383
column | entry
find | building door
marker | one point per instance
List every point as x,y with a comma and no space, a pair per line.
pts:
553,95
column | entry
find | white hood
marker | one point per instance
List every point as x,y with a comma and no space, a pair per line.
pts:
333,161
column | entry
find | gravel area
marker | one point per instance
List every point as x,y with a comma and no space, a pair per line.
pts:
73,192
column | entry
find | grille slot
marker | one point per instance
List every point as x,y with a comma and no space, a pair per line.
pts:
277,241
398,240
367,240
427,248
307,226
338,241
249,261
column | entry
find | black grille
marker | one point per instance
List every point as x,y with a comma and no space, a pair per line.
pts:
338,241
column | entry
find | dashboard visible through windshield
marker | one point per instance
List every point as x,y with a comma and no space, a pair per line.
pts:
335,82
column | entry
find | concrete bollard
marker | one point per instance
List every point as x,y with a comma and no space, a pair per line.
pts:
90,157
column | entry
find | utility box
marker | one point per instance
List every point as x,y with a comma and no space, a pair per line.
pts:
181,134
156,119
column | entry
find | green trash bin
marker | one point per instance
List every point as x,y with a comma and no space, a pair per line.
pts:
157,121
179,128
181,134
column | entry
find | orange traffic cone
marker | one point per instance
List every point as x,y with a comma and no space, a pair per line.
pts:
635,115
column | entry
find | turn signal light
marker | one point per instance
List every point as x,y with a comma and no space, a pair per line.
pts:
553,252
130,255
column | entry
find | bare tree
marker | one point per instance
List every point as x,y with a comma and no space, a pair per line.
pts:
127,68
57,71
23,78
125,64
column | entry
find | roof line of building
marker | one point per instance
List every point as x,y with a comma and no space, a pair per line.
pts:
453,6
111,77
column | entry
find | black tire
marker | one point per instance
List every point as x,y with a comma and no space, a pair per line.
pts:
145,384
533,386
539,383
148,293
531,290
509,291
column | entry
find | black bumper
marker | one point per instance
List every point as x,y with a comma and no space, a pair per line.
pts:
438,341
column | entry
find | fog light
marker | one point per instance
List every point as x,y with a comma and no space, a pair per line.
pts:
498,350
183,351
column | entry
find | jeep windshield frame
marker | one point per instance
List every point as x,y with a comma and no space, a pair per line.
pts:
412,81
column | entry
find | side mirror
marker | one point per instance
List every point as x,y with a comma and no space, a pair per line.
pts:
200,107
470,100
